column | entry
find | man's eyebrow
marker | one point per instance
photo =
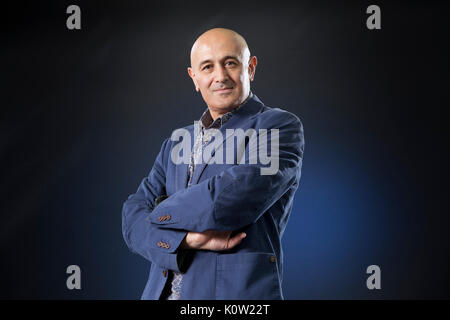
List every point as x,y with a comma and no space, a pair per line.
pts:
224,58
203,62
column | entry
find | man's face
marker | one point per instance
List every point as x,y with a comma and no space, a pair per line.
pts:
222,73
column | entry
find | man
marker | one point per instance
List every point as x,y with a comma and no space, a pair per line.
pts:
217,234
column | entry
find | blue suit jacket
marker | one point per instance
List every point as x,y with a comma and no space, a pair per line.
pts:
221,197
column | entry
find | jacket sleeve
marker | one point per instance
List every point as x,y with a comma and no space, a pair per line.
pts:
153,243
239,195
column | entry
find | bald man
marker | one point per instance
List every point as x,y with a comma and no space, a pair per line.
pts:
211,223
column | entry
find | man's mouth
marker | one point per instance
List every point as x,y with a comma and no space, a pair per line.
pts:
224,90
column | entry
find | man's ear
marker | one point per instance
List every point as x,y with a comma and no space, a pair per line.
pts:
192,75
252,62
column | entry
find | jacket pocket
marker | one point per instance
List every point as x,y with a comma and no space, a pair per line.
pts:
252,276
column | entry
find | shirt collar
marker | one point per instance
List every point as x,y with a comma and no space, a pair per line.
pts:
206,121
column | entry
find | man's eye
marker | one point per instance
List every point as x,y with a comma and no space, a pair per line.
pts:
231,63
206,67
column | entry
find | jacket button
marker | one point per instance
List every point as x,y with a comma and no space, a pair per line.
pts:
272,259
165,273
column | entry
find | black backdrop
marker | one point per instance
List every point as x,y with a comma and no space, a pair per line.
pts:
84,113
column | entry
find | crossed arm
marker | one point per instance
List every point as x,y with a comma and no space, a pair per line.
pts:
145,238
204,215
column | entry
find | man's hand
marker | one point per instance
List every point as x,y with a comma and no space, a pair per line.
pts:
211,240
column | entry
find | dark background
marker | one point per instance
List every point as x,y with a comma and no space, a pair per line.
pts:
84,113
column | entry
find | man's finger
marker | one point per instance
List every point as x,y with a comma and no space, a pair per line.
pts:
234,241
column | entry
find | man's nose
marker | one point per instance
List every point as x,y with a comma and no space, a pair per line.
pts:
221,74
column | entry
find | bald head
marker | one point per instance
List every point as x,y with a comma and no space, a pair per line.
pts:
222,36
221,69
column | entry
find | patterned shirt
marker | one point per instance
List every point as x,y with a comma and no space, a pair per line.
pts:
203,137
